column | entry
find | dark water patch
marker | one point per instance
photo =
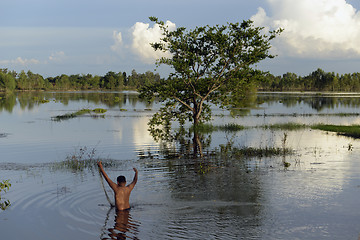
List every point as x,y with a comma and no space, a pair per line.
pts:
3,135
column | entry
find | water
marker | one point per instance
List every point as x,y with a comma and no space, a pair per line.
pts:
243,198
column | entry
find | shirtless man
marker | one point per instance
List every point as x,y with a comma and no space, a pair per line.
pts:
121,191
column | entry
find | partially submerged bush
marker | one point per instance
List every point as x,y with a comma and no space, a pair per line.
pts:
4,186
78,113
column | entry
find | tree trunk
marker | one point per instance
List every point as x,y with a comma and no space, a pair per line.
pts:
197,112
197,145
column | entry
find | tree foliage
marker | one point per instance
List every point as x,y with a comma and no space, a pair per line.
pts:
24,81
212,65
318,80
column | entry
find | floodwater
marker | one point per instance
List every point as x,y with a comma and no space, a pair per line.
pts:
316,197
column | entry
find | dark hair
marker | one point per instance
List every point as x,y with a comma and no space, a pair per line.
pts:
121,179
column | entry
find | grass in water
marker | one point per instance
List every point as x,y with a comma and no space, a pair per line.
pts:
78,113
209,128
285,126
82,159
261,152
349,131
231,127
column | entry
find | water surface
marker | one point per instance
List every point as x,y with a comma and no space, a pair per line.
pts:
223,198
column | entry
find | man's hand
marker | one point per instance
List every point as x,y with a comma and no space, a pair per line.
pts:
135,170
99,163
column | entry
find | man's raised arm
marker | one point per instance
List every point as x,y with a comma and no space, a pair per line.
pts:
108,180
132,184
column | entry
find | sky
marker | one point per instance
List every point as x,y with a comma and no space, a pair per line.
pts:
54,37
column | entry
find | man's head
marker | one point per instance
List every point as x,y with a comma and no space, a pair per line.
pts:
121,180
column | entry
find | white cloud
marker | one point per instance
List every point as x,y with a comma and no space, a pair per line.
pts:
118,45
20,61
57,56
143,35
320,29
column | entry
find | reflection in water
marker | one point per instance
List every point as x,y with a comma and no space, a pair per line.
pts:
224,203
317,102
29,100
124,228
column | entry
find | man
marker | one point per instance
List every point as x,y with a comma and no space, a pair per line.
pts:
121,191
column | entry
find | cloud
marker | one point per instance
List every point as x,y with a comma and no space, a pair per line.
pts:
118,42
57,56
20,61
143,35
318,29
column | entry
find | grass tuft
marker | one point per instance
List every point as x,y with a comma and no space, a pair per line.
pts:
349,131
285,126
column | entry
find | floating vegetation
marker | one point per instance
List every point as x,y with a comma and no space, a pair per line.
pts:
204,128
231,127
38,100
4,187
99,110
78,113
285,126
82,159
348,131
209,128
257,152
123,110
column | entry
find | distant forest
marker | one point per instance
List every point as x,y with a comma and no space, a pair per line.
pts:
318,80
11,80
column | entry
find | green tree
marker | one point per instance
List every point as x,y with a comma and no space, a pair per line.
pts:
22,82
211,65
63,82
7,81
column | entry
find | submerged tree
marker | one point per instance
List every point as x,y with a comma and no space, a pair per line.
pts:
212,65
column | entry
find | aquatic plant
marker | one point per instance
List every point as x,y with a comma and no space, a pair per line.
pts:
231,127
259,152
285,126
283,142
99,110
78,161
78,113
4,186
203,128
81,159
348,131
209,128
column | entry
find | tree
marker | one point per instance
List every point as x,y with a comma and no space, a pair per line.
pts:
7,82
211,65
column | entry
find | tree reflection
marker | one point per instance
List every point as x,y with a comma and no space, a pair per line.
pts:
28,100
223,190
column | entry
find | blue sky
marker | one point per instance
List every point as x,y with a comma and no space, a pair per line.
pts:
52,37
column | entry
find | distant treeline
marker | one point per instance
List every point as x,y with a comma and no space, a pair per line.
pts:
318,80
11,80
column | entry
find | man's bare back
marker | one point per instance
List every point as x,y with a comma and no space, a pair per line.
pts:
121,191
